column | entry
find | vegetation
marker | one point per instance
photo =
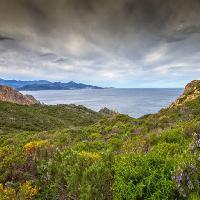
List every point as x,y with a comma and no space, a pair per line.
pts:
15,117
60,152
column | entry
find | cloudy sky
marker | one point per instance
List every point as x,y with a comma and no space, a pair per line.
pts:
121,43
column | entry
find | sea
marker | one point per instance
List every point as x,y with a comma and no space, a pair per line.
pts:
133,102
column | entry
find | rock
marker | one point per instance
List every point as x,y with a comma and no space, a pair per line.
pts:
106,111
191,92
10,94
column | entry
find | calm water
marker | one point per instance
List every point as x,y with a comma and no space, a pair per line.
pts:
134,102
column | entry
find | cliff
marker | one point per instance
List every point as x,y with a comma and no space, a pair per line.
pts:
191,92
9,94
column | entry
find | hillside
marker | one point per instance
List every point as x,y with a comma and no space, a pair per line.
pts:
43,117
191,92
114,157
9,94
23,112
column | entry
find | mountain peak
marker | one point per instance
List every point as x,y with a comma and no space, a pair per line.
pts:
72,82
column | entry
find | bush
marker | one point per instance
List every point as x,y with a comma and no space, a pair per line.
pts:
25,191
143,177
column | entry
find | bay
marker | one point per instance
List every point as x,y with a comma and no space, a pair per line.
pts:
134,102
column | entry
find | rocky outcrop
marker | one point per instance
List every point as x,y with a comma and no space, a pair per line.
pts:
191,92
106,111
9,94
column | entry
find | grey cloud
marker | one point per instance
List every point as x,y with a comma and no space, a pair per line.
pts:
48,55
182,33
60,60
4,38
190,30
92,36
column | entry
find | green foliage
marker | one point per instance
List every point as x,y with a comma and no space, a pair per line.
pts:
42,117
143,177
70,152
82,175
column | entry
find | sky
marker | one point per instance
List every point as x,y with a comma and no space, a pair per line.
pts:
119,43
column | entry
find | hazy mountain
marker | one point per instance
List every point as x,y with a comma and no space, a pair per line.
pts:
45,85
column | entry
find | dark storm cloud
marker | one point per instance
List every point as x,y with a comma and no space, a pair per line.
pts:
119,39
3,38
182,34
34,9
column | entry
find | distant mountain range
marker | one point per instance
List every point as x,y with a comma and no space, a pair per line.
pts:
45,85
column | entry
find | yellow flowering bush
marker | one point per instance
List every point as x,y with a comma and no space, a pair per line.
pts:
32,147
25,192
90,155
133,145
7,193
5,152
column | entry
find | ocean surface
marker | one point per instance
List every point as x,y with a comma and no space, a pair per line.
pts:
134,102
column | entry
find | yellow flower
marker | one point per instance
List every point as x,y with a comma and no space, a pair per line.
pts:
90,155
7,193
27,191
33,146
